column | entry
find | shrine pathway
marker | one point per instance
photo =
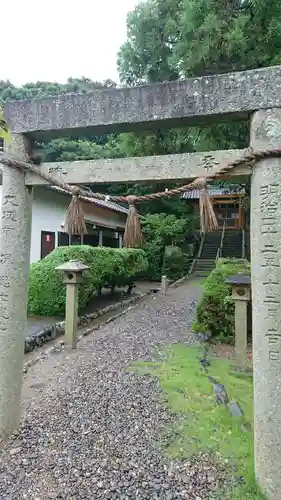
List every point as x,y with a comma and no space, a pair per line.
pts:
36,324
90,426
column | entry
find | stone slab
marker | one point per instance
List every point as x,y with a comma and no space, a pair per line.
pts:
180,167
191,101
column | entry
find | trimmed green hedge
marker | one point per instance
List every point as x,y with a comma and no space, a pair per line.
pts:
108,267
215,311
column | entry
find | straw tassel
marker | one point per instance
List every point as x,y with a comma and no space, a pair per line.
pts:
208,218
75,221
133,237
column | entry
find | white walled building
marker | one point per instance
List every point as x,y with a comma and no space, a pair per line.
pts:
105,222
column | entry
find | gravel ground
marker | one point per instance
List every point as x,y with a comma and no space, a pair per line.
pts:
90,428
36,324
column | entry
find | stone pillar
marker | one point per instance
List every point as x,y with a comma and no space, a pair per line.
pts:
71,315
164,284
100,238
72,273
120,237
266,302
241,351
14,267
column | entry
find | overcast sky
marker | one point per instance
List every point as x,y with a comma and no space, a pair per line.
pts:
57,39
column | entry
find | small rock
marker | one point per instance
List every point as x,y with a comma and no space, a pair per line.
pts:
21,475
235,409
15,451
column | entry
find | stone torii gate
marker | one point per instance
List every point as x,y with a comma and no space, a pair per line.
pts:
251,94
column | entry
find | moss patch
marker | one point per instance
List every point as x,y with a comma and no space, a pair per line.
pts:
203,425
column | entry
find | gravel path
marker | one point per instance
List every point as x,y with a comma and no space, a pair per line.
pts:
36,324
90,427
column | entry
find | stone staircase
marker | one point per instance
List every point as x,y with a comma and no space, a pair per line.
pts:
202,268
206,262
232,247
232,244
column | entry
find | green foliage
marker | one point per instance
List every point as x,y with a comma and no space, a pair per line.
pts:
160,231
215,310
5,134
154,28
154,254
175,263
8,91
166,228
108,266
202,425
168,39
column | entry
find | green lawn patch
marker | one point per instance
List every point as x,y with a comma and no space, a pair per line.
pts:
203,425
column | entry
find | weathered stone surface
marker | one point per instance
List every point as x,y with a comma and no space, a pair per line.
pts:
178,167
266,300
241,345
127,109
14,265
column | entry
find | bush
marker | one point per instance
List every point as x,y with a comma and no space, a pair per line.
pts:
215,311
176,263
159,231
107,266
154,254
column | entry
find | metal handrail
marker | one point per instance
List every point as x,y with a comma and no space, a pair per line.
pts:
243,244
219,251
198,255
222,236
201,245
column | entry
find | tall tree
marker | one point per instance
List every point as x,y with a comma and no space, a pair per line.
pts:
154,29
170,39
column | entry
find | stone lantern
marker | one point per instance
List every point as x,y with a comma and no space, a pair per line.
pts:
72,277
241,294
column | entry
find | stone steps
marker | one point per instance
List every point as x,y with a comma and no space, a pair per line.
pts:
202,268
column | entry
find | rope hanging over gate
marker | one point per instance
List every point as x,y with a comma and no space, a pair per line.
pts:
133,237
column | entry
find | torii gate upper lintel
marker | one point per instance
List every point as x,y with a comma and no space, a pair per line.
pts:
254,93
171,104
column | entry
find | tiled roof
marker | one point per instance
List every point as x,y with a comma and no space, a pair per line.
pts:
101,203
212,191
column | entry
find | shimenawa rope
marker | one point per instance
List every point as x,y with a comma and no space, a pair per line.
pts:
133,234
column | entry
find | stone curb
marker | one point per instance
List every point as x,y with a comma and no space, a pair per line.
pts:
51,332
179,281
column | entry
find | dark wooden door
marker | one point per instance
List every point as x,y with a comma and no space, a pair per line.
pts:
48,243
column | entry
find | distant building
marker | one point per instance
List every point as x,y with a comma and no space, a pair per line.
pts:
105,222
226,202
